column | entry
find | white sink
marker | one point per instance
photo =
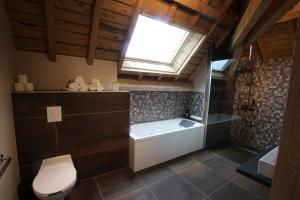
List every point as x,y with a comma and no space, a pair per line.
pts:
266,165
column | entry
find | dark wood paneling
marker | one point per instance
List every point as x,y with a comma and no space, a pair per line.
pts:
29,171
81,134
76,103
36,140
94,130
101,162
31,104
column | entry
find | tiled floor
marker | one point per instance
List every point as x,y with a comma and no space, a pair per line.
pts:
201,175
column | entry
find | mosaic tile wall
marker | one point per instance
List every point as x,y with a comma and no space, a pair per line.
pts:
146,106
261,129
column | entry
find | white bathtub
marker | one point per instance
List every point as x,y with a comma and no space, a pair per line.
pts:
156,142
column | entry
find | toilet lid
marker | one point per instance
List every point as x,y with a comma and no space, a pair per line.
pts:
54,179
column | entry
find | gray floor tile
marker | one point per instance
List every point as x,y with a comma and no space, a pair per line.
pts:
180,163
233,153
232,191
139,194
203,178
222,166
114,184
85,190
202,155
175,188
154,173
252,186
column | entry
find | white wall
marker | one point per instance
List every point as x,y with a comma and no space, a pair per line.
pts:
48,75
200,80
9,180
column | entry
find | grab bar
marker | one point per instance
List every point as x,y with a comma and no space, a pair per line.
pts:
4,162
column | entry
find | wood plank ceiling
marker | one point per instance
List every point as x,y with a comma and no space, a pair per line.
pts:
97,29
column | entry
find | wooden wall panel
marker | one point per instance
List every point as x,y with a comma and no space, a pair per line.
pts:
92,132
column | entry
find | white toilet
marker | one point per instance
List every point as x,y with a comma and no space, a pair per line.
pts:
55,179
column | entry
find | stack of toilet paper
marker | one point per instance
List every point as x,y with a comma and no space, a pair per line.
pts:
79,85
22,84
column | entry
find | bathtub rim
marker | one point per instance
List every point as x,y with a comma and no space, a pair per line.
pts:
151,137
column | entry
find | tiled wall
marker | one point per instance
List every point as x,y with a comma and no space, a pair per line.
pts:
148,106
95,130
262,129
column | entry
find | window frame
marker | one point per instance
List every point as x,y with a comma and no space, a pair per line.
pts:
225,66
184,53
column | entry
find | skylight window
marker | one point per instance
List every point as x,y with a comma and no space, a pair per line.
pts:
155,41
221,65
159,48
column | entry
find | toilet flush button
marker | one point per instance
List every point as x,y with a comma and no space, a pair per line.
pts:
54,114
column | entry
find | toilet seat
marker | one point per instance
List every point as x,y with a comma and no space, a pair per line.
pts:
55,176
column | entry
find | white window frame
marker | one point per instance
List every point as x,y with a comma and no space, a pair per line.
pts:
181,58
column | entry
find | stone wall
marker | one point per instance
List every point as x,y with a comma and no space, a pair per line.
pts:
146,106
261,129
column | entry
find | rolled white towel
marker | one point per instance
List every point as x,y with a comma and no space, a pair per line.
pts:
74,87
83,87
92,87
100,87
95,81
79,79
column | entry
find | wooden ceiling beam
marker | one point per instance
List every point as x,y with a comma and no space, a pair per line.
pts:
292,29
236,56
94,31
222,38
204,8
222,12
134,19
286,180
262,50
254,11
202,64
292,14
50,23
274,12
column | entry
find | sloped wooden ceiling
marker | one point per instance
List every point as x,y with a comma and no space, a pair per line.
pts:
97,29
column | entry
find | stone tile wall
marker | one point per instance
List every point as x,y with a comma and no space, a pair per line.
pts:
262,128
146,106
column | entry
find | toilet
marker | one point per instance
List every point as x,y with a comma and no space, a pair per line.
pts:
55,179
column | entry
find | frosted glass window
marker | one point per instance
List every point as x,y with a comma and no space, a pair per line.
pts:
220,65
155,41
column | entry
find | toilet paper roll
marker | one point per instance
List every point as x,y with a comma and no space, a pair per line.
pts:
22,78
79,79
19,87
28,87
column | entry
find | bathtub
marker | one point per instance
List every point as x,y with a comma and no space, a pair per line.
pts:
156,142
